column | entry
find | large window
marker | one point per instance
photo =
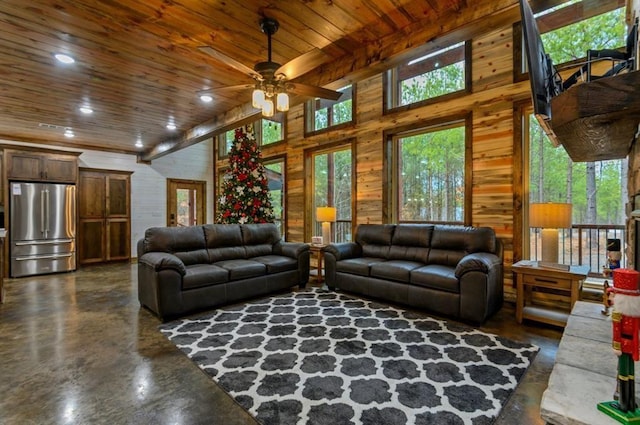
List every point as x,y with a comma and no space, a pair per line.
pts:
428,77
596,191
323,114
332,186
275,169
428,174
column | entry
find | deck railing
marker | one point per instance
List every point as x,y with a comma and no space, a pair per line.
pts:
341,230
583,244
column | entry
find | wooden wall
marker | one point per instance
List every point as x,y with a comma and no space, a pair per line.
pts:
494,159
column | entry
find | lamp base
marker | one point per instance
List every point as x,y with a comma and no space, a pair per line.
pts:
550,245
326,232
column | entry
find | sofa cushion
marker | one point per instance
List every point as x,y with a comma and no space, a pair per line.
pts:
224,242
360,266
242,269
411,242
199,275
450,243
277,263
436,276
397,270
258,239
186,243
375,239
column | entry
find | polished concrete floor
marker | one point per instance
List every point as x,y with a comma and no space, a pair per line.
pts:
76,348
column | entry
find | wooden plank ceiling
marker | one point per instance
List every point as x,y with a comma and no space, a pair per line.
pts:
138,65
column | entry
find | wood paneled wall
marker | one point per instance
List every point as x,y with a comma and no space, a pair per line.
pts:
491,104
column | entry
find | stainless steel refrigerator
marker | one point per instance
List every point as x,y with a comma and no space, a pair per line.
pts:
42,228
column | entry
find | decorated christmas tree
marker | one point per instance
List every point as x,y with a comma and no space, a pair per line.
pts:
245,194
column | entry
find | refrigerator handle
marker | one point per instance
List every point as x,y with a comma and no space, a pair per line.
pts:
42,213
46,229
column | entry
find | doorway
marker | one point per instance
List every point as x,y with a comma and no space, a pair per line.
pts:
186,202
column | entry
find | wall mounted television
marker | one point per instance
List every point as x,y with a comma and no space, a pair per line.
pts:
543,76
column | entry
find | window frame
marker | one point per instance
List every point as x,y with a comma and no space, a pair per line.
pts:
390,193
345,144
220,138
390,94
309,115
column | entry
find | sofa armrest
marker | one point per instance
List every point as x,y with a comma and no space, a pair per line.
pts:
344,250
477,262
163,261
290,249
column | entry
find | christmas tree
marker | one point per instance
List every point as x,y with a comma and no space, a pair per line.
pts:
245,194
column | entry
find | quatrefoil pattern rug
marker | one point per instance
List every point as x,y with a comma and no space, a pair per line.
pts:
328,358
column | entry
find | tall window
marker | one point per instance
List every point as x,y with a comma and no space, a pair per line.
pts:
596,190
422,79
322,114
332,186
428,172
275,169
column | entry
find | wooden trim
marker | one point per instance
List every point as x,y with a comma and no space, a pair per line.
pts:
103,170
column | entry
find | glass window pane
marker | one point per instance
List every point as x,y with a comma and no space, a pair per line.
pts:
431,176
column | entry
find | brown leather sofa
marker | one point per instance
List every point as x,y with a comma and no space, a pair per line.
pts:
455,271
186,269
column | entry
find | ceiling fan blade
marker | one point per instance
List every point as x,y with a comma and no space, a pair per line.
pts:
226,90
229,61
303,64
313,91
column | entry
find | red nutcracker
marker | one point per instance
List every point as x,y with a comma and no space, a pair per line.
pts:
626,344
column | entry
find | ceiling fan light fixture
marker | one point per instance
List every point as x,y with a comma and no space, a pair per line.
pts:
267,108
282,102
257,98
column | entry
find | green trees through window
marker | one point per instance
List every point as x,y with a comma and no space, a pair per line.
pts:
430,175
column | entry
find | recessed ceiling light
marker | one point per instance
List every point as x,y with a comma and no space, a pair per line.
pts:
171,126
139,143
206,98
68,133
86,110
64,58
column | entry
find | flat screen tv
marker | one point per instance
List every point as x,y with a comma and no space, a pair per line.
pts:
545,81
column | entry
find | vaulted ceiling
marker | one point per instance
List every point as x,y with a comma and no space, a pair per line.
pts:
140,64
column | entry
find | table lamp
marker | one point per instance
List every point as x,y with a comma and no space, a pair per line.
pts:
326,215
550,217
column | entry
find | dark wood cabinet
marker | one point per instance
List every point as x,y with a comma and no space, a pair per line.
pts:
36,166
104,218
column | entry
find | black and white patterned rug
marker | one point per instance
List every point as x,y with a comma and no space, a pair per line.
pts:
329,358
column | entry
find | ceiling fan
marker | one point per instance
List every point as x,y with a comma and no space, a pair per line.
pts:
272,80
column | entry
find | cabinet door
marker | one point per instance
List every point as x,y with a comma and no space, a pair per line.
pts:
91,243
117,196
91,195
118,241
24,166
60,168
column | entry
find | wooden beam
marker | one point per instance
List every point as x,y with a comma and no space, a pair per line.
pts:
203,131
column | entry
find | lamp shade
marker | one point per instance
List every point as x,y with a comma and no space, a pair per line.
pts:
326,214
550,215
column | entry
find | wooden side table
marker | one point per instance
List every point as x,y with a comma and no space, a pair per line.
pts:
566,283
316,251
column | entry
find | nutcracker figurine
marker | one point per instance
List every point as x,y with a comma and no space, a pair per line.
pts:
626,344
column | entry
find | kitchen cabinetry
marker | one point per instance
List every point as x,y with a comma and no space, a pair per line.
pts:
104,217
43,167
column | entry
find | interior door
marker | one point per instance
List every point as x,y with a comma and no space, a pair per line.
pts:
186,202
